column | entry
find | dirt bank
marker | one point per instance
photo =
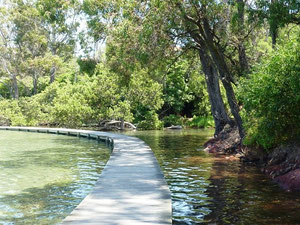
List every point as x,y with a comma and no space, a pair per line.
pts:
227,142
282,165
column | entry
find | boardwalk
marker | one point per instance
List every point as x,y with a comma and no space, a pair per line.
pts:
131,189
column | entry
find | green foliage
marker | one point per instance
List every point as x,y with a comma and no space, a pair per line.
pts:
121,111
197,87
271,98
11,110
70,105
177,91
278,13
173,120
87,66
144,91
201,122
32,111
151,122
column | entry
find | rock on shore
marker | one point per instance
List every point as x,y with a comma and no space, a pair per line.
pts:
282,165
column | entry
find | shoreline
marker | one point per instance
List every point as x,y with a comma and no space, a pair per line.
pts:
282,165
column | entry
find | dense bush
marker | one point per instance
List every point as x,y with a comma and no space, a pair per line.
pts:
11,111
201,122
173,120
151,122
32,111
271,98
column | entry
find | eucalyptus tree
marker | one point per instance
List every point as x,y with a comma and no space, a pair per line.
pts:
31,40
10,53
60,20
37,38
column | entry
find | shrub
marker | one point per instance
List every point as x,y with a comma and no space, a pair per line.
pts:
32,111
10,110
151,122
173,120
201,122
271,98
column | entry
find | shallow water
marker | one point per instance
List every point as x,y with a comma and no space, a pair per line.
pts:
208,190
44,176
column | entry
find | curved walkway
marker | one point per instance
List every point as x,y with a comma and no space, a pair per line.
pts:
131,189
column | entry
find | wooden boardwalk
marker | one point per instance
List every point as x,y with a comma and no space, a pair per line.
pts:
131,189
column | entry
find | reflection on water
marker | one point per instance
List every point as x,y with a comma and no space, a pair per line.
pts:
208,190
44,176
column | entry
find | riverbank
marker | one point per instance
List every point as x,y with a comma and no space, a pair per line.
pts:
282,164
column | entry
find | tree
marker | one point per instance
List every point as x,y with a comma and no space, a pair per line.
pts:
30,38
11,53
271,97
189,24
59,21
278,13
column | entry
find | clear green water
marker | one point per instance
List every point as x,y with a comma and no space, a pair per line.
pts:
208,190
44,176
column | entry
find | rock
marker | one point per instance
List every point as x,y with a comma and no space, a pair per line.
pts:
175,127
289,181
283,165
227,142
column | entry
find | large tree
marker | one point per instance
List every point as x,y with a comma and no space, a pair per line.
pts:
36,38
181,25
60,20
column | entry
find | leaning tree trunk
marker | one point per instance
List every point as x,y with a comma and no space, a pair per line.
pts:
212,81
225,76
226,81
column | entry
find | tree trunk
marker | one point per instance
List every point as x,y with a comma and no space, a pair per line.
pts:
226,81
52,74
241,31
243,59
234,108
35,82
212,81
225,76
274,35
122,126
273,25
15,87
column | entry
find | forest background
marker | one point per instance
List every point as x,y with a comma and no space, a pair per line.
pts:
154,63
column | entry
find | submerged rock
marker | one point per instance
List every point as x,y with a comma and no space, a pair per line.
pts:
283,165
289,181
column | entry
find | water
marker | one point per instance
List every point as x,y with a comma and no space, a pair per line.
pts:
208,190
43,177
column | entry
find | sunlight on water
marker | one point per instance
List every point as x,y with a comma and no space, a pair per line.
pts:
44,176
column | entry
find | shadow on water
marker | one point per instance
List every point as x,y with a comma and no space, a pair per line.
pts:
47,205
208,190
